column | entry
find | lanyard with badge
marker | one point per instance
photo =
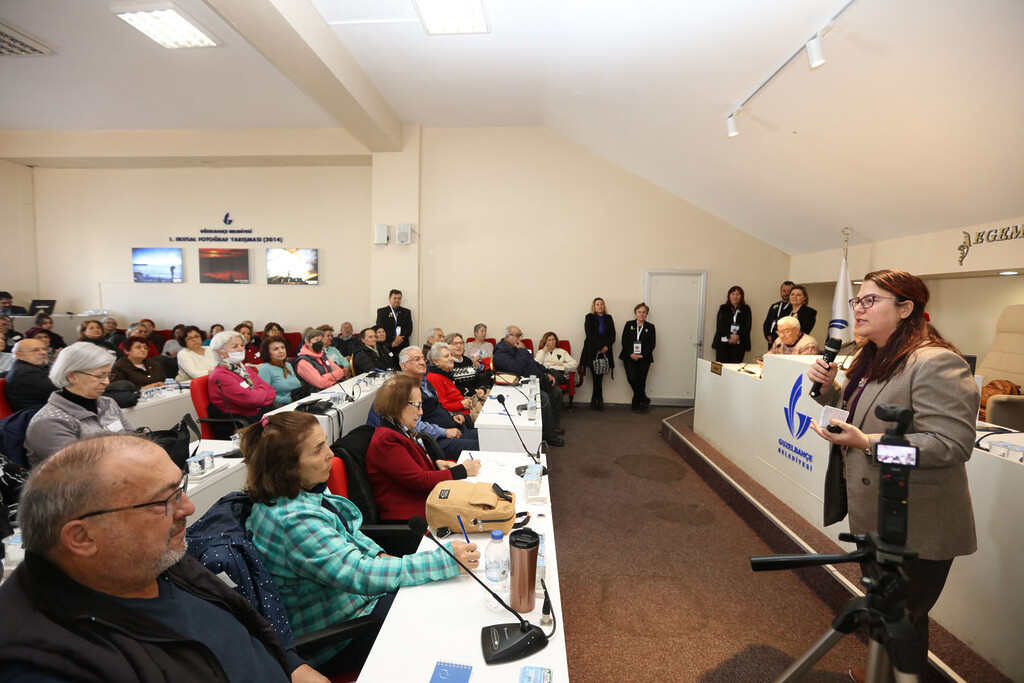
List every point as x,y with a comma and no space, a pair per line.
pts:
638,348
398,328
734,328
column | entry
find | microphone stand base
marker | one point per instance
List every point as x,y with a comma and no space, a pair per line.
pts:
512,641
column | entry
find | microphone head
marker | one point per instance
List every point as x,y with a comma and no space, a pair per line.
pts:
418,524
501,399
834,344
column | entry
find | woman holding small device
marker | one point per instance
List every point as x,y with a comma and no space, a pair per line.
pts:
904,362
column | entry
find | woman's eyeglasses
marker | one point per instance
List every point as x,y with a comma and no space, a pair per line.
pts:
416,404
867,301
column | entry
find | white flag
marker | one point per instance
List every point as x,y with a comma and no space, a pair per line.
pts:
841,324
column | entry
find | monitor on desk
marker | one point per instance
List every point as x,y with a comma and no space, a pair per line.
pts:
42,306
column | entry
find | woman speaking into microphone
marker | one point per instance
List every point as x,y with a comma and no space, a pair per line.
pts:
905,362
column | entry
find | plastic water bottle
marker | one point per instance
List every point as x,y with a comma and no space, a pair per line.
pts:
496,567
531,408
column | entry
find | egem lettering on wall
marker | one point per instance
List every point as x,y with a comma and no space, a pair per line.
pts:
797,423
1010,232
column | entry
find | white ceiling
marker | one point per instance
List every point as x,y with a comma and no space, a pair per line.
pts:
913,124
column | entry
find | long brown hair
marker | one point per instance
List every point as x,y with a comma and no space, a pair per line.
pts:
912,332
265,352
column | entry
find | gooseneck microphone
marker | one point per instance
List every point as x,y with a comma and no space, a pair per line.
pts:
533,457
500,642
832,347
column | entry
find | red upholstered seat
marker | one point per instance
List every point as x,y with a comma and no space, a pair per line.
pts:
5,407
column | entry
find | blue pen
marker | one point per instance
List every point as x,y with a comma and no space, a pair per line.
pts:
470,456
464,534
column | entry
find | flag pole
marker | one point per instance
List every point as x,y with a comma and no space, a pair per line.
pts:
846,240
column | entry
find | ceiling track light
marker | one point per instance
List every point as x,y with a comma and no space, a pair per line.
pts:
815,52
815,58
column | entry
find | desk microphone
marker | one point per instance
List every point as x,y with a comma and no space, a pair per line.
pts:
500,642
832,347
533,457
349,398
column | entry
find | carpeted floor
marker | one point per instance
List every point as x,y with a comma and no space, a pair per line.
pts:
655,579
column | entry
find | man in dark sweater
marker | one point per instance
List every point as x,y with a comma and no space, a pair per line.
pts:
106,591
28,381
511,355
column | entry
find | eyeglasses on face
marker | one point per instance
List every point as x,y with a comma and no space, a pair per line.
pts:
517,336
170,503
108,376
867,301
416,404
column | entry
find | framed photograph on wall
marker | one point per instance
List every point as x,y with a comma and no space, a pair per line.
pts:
225,266
156,265
293,266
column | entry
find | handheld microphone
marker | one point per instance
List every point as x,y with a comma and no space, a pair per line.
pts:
500,642
501,400
832,347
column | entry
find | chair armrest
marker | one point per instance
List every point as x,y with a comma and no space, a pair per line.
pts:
1006,411
396,539
308,645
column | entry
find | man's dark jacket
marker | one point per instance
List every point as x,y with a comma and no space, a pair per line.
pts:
28,386
56,626
387,321
508,358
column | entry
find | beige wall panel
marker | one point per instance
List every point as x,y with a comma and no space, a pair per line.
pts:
17,231
89,220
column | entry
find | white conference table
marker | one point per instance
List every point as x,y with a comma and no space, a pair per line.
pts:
495,429
346,415
457,609
162,412
227,475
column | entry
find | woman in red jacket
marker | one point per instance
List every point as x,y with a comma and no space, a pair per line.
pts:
236,390
439,374
399,468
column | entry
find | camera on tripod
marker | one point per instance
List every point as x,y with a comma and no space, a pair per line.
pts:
896,456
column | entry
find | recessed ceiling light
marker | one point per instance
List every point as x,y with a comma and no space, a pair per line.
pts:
1008,272
446,17
166,24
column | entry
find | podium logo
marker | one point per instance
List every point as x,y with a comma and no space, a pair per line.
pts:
797,422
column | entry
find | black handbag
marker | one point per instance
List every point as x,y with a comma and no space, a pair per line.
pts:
600,364
176,439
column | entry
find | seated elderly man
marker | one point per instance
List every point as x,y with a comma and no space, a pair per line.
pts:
448,430
346,340
792,340
106,591
28,381
511,355
110,332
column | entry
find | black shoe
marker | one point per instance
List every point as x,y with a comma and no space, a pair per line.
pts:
600,406
555,441
637,409
594,405
559,431
646,406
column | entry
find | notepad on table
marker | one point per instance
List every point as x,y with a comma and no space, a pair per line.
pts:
451,672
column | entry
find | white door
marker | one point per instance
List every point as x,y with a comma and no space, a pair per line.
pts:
676,298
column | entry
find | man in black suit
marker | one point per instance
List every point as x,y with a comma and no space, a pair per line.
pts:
779,309
396,321
28,381
10,335
7,306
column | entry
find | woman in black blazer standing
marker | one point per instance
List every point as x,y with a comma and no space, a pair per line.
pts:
638,340
807,316
599,338
732,331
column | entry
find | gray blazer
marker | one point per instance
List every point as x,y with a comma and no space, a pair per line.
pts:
61,422
937,385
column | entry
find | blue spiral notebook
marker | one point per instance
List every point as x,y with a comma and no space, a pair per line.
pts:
451,672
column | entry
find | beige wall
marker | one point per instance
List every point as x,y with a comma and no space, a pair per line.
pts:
521,226
17,229
88,221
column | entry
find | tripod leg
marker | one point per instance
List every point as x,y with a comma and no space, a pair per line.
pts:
807,660
878,666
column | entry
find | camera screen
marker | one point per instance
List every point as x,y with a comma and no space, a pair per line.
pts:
887,454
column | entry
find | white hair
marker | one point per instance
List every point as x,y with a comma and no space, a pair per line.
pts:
221,339
403,355
436,349
78,357
790,320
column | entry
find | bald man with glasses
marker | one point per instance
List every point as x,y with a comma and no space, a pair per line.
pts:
107,592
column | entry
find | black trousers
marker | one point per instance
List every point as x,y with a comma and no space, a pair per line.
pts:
927,579
636,375
729,353
551,411
597,394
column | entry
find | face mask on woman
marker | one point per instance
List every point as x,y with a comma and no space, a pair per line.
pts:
318,346
236,357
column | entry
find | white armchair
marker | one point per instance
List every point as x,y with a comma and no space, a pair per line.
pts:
1005,360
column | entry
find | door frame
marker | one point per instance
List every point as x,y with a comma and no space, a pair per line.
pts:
703,274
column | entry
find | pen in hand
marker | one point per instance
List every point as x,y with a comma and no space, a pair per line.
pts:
463,526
